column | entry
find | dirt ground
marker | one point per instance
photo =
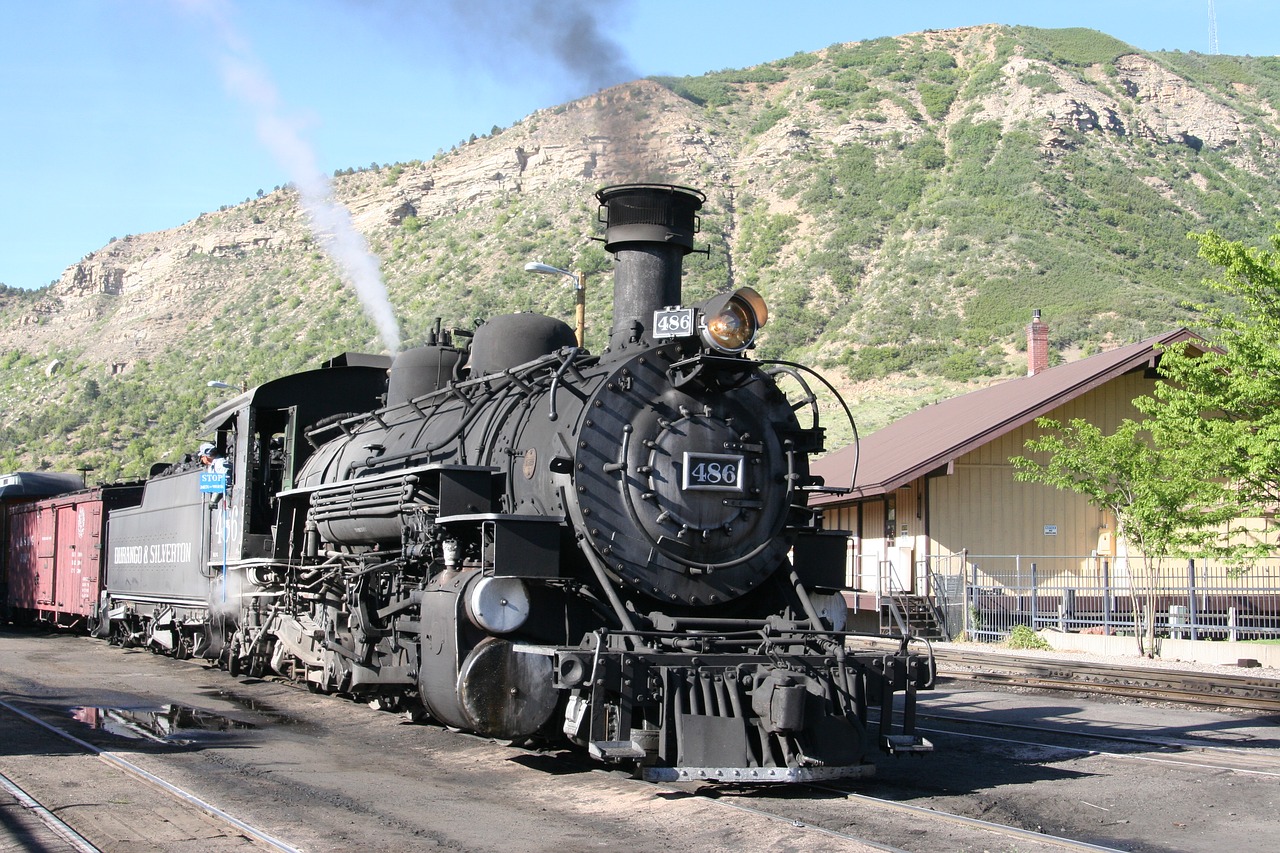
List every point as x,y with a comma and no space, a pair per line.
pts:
327,774
324,773
1219,791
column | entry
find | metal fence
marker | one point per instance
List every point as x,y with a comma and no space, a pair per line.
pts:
986,596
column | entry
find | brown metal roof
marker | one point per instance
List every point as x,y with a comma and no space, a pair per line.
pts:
940,433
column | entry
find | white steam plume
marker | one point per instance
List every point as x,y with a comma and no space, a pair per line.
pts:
248,80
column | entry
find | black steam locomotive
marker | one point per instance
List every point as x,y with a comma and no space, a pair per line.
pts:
524,537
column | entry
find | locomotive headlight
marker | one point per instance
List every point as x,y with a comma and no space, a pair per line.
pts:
831,607
731,321
498,605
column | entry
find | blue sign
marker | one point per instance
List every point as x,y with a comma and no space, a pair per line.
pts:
213,483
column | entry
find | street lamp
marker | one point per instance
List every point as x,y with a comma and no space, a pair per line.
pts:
579,280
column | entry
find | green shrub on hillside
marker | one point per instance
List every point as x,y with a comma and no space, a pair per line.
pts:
767,119
936,99
717,89
1075,46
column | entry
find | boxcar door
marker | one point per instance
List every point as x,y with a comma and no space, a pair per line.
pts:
23,567
46,537
78,527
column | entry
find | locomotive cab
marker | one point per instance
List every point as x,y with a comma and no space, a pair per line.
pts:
188,568
263,435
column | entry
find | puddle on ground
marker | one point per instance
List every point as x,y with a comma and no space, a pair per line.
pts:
170,724
257,706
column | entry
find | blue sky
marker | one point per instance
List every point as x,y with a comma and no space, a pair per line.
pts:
117,117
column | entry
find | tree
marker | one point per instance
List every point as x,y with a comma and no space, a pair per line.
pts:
1220,410
1163,508
1207,453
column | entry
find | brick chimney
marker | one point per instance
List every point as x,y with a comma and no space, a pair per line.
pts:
1037,345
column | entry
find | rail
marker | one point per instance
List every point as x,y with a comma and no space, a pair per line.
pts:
1251,692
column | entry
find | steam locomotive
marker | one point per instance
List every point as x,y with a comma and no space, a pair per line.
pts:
522,538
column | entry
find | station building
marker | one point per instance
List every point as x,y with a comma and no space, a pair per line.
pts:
935,506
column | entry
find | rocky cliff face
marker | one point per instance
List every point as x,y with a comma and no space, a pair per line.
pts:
868,190
150,286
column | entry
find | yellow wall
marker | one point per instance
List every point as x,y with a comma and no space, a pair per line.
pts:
980,507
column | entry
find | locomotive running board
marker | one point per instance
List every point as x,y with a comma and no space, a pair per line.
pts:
751,775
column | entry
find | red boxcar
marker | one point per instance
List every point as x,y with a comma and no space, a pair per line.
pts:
24,487
55,556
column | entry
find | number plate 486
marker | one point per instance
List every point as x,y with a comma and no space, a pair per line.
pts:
717,472
673,323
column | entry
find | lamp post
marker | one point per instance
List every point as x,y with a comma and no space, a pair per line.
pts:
579,280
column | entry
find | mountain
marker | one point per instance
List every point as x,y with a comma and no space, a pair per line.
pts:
903,204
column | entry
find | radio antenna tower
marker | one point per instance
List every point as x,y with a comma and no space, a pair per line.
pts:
1213,30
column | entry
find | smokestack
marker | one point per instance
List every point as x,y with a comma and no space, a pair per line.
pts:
1037,345
649,229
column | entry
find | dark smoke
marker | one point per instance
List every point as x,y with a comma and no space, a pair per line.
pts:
569,38
571,33
563,46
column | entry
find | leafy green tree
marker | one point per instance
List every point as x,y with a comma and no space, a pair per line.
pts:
1220,410
1207,454
1163,508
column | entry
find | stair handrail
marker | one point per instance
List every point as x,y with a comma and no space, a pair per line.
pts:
899,615
938,592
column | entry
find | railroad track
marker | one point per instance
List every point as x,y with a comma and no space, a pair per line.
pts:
1222,690
28,825
165,817
1186,752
